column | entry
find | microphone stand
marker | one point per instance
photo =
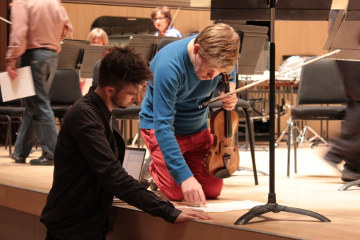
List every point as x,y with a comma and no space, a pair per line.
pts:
271,205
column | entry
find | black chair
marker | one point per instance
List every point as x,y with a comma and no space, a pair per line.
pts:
64,91
321,86
11,112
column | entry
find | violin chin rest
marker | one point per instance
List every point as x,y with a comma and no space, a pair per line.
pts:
222,173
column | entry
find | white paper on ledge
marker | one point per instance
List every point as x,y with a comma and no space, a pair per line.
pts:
21,87
226,206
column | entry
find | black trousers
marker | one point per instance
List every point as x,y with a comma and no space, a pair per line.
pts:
347,147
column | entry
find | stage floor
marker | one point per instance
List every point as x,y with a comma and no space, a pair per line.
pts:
314,187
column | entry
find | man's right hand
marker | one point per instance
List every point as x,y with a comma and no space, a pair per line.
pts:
193,192
11,69
192,214
12,73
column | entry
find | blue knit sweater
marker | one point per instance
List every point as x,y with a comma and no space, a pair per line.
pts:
171,103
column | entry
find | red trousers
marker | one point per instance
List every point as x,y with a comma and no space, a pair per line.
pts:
193,147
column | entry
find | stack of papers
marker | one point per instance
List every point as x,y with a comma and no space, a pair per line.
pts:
21,87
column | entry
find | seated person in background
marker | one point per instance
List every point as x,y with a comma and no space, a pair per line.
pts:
186,73
161,17
97,37
89,153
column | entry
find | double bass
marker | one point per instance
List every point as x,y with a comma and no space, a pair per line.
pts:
223,158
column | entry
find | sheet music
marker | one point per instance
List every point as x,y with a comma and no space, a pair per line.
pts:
226,206
21,87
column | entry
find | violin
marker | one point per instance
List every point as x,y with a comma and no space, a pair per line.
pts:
223,158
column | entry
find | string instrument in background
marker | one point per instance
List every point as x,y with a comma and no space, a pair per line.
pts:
173,19
223,158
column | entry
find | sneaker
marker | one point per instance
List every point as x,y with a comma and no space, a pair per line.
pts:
350,175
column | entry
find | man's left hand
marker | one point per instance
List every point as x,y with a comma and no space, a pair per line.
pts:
230,101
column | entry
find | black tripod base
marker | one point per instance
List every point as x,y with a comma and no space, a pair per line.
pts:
274,207
350,184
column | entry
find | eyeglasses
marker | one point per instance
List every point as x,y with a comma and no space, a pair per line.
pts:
160,19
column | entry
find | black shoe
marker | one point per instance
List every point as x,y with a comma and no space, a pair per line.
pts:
18,159
42,160
333,161
146,178
350,175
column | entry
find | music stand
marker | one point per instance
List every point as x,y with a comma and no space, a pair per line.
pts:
146,45
80,56
343,35
92,54
69,57
265,10
253,40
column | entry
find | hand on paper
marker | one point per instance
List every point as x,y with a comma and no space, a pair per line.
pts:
192,214
193,191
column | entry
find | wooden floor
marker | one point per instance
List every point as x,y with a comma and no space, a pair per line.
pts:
314,187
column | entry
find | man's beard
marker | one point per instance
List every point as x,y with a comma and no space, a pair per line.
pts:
115,103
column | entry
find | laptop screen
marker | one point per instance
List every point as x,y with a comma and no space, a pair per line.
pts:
133,161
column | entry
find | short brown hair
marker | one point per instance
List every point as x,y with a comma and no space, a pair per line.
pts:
163,10
122,66
219,45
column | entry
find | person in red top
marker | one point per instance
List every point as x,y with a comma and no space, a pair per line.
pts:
38,26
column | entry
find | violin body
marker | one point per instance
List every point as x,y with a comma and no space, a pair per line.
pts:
223,158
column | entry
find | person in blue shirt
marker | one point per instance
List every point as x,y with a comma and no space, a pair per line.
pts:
161,17
185,75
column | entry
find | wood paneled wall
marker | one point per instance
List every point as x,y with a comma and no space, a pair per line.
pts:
300,38
83,15
291,37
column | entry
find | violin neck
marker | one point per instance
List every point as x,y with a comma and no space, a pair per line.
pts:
228,122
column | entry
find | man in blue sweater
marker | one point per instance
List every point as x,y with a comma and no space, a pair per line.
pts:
175,130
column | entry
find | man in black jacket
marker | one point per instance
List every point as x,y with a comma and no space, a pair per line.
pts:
88,156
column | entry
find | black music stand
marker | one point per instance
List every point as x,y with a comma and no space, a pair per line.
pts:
265,10
146,45
92,54
80,56
70,55
344,35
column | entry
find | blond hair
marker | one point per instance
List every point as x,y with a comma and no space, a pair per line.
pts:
219,45
98,33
